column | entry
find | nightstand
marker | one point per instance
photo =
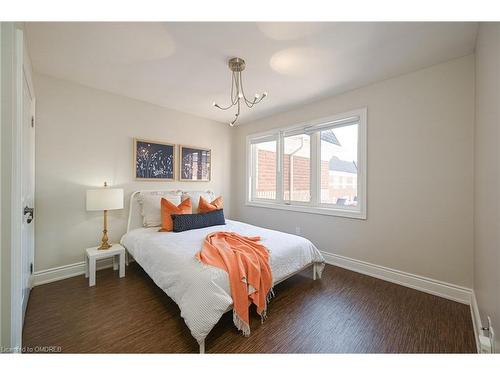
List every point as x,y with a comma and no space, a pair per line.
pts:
92,254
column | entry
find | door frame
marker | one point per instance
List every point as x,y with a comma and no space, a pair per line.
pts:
16,314
1,227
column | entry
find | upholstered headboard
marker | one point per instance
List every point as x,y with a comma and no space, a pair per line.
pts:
135,219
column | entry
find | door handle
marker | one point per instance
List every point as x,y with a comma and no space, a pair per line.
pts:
28,211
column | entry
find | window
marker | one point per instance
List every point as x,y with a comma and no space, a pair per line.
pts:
297,168
316,167
339,165
264,159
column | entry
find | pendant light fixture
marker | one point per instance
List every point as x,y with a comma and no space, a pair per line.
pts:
237,65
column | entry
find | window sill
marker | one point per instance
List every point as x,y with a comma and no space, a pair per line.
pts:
310,210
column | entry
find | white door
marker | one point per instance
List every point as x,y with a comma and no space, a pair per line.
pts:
28,188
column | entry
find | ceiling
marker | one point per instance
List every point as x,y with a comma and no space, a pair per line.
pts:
184,65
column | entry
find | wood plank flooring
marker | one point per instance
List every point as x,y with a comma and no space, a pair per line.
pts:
344,312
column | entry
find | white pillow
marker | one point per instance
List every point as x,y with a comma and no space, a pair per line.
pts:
195,198
151,205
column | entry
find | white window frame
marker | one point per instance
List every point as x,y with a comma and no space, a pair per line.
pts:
262,137
291,202
314,206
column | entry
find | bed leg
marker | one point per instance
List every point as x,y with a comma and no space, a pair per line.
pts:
202,346
314,271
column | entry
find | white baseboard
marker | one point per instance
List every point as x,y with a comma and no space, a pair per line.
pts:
438,288
59,273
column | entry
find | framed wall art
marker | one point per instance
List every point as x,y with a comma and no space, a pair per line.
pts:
195,163
154,161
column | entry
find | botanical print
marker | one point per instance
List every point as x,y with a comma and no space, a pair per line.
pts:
154,160
195,164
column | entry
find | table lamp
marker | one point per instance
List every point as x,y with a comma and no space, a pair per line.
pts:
103,200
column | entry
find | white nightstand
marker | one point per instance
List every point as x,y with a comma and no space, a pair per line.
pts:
92,254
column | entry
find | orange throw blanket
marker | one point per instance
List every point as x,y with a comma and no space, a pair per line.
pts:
247,263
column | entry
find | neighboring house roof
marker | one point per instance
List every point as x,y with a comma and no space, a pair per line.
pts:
335,164
329,136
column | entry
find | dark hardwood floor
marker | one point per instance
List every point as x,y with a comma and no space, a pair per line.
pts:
344,312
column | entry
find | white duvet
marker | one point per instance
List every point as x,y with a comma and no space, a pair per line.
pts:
201,291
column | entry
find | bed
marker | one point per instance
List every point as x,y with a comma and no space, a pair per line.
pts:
202,292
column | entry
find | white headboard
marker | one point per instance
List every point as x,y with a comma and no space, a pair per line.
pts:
135,219
134,213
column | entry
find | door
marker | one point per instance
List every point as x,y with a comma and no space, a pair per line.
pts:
28,187
18,149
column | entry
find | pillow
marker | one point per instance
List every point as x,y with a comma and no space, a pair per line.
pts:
196,221
195,197
205,206
167,209
151,206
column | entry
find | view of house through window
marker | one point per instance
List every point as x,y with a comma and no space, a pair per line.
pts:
339,170
297,168
313,168
265,170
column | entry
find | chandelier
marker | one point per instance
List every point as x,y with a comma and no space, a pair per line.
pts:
237,65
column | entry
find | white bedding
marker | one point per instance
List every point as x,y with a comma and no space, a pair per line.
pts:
201,291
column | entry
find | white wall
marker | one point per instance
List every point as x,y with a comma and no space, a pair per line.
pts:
3,294
83,138
420,175
487,174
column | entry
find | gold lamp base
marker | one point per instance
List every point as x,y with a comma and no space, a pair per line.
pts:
105,245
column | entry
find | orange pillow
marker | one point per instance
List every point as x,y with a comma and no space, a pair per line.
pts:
204,206
168,208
